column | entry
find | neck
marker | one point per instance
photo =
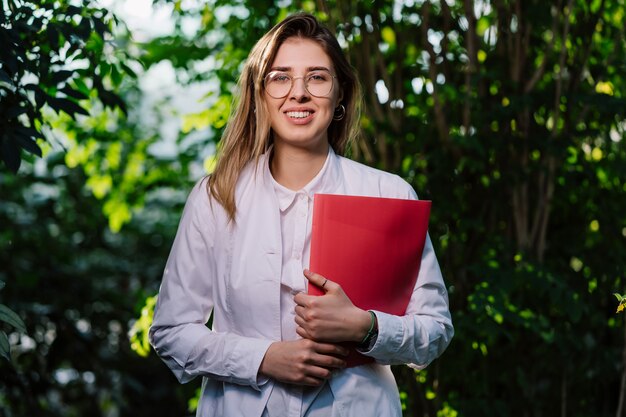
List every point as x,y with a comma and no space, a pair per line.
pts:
293,167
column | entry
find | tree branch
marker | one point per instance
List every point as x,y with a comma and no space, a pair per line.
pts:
582,65
559,79
473,60
547,52
440,117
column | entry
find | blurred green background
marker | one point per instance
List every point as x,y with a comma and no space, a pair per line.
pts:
509,115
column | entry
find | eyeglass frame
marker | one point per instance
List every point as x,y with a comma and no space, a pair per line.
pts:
303,77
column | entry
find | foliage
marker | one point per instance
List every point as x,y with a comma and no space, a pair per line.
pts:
78,288
74,282
55,55
622,302
8,316
139,341
509,115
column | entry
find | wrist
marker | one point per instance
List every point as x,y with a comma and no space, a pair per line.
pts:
371,332
362,326
265,366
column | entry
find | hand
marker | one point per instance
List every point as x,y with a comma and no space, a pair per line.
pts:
302,362
331,317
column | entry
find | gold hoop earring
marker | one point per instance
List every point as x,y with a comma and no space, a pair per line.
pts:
340,112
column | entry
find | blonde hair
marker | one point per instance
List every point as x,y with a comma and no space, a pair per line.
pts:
248,133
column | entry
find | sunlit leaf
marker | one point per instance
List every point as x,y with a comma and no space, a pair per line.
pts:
388,35
138,333
482,25
605,88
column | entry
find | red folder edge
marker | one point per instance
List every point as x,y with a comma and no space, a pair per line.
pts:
345,227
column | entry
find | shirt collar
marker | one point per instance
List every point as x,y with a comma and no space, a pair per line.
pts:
324,181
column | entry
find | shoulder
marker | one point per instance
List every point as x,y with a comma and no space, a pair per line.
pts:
202,207
374,181
199,194
251,179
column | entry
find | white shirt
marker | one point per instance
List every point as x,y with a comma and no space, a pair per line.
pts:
233,271
296,210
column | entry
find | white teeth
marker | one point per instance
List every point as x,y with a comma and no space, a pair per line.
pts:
299,114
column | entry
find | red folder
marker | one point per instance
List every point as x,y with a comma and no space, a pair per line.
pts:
372,247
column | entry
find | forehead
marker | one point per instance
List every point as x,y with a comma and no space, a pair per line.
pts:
301,53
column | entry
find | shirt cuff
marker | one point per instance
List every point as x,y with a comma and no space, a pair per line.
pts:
246,359
371,339
389,338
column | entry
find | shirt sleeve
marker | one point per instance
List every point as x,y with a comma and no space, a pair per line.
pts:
179,332
424,332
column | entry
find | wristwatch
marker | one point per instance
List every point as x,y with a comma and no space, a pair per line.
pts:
372,335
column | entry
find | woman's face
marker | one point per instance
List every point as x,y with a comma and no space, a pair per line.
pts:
301,118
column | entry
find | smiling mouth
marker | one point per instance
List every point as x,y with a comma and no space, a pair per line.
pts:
299,114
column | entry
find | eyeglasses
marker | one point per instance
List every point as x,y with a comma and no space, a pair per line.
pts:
318,83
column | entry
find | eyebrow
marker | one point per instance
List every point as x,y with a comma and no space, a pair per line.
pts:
289,69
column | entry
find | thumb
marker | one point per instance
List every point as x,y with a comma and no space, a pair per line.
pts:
322,282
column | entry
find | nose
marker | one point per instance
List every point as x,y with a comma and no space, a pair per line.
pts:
298,89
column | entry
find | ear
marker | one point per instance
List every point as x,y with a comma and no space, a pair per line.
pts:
340,96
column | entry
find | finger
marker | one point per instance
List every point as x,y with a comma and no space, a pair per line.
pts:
299,310
311,381
328,362
330,349
319,280
301,323
317,374
302,299
303,333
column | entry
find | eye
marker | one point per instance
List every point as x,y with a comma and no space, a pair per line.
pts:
318,77
278,77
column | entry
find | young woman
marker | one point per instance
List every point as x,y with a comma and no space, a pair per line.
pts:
243,244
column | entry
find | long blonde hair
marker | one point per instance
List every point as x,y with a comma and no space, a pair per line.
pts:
248,133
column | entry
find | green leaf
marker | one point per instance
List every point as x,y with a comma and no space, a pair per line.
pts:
82,87
29,145
68,106
5,347
53,36
61,76
73,93
618,296
9,316
4,77
28,132
112,100
15,111
116,77
389,36
128,70
83,30
100,27
40,95
73,10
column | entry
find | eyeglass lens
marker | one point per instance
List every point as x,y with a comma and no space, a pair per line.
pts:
318,83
